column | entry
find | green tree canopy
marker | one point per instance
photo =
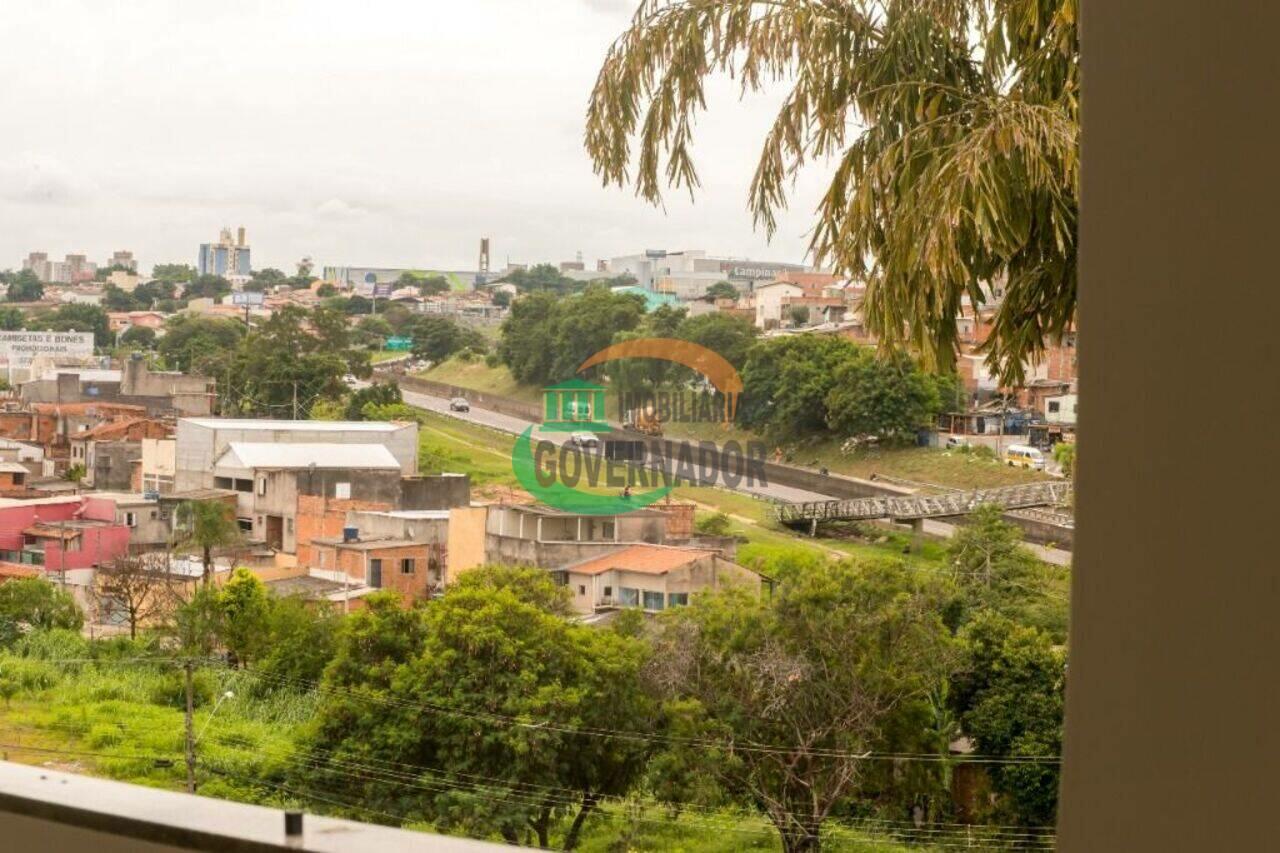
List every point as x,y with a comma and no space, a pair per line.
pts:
953,127
35,604
889,398
76,317
11,319
246,616
545,338
24,286
191,342
1009,695
815,672
721,290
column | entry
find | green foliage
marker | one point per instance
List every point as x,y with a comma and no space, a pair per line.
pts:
76,317
889,398
173,273
191,343
207,526
490,643
729,337
437,338
24,286
1010,696
207,287
953,127
721,290
989,564
11,319
287,364
787,380
197,624
544,278
140,337
546,338
35,604
75,472
818,666
246,611
1064,453
302,641
377,394
714,525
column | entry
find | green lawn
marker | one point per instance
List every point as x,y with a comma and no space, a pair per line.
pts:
386,355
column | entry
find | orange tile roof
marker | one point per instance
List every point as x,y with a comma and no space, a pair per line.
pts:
105,431
646,559
17,570
84,408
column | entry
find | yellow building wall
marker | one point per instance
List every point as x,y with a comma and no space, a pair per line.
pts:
465,540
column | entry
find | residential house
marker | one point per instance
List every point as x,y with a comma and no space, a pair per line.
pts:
1061,409
62,534
651,577
108,452
158,466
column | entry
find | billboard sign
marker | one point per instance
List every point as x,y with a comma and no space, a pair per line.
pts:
247,298
19,349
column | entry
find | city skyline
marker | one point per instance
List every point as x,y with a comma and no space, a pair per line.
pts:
348,137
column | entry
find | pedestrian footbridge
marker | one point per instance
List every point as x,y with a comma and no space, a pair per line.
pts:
915,507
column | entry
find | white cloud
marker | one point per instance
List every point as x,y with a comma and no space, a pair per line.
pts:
336,208
38,179
394,133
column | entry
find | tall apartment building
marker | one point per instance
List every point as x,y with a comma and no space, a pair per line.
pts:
123,259
227,257
76,268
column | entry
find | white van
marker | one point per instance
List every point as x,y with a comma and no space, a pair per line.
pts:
1024,456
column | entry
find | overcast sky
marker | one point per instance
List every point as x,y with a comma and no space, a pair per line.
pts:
373,133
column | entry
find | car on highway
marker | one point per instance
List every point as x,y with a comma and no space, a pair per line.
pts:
584,439
459,404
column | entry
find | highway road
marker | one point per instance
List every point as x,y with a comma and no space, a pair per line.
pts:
516,426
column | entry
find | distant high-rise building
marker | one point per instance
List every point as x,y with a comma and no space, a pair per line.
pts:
75,269
123,259
226,257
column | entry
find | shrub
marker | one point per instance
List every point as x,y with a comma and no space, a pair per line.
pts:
103,735
713,525
171,689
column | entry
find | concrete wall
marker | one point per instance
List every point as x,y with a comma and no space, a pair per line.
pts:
109,464
435,491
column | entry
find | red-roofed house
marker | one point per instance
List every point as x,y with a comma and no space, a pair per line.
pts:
652,577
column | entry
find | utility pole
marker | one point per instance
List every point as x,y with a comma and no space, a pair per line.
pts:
189,672
295,399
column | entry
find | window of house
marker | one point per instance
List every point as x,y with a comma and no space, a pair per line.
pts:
677,599
582,590
375,573
244,485
406,566
223,482
607,529
130,519
628,597
608,592
262,485
246,525
652,600
1054,406
342,491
